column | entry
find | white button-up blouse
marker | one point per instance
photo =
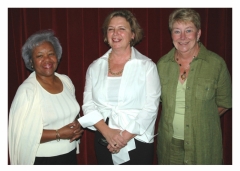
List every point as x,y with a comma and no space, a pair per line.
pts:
138,100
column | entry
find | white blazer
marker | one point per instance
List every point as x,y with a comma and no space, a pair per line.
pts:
138,99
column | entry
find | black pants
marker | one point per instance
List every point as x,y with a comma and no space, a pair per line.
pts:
64,159
142,155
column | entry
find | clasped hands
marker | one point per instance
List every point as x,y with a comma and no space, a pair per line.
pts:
72,131
116,141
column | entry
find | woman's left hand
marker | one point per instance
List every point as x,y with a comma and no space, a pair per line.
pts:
123,135
78,130
120,142
113,150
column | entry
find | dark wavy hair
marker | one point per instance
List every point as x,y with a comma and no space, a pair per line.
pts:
36,40
131,19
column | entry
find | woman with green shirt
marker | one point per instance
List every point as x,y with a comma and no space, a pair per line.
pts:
196,89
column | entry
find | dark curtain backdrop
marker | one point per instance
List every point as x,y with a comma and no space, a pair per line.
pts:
80,34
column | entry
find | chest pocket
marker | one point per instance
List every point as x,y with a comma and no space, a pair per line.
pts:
206,89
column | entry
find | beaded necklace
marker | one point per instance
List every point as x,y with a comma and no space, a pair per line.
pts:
109,69
184,75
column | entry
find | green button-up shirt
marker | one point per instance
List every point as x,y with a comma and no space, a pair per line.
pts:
208,87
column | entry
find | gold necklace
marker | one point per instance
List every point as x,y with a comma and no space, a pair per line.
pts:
109,69
184,75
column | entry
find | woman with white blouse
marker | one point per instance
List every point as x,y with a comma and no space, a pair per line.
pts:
121,96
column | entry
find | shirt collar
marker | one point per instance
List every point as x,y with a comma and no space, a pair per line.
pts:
133,54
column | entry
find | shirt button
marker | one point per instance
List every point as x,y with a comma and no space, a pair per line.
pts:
186,143
186,161
186,107
188,88
187,126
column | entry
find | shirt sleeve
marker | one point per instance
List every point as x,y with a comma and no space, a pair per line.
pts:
224,88
91,114
147,116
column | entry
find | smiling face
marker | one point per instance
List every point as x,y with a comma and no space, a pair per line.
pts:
119,33
44,60
185,36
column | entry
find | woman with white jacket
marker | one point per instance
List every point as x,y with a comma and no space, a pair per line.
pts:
121,96
42,118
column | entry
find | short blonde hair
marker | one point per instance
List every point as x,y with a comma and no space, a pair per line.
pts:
185,15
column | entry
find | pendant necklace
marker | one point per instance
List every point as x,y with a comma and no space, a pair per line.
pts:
184,74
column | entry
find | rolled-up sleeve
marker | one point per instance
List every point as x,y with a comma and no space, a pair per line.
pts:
224,88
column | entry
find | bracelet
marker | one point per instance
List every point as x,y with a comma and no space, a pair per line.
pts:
121,133
57,135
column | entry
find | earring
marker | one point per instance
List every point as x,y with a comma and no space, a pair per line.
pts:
30,62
